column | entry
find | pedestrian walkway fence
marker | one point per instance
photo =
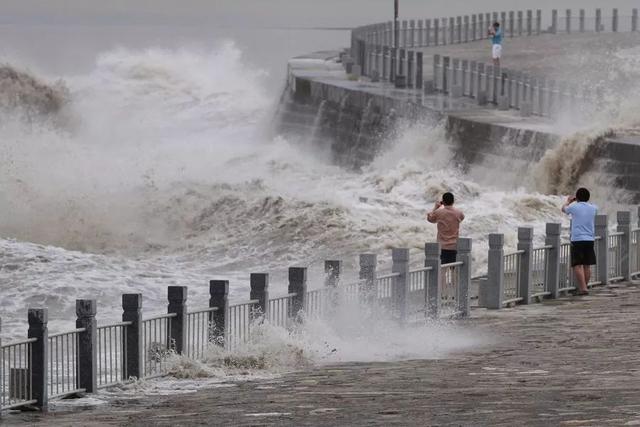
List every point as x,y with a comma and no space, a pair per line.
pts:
90,357
389,51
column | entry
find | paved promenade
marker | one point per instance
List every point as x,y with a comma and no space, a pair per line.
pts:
571,362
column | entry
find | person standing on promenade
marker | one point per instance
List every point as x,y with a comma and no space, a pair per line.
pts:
583,254
448,220
496,43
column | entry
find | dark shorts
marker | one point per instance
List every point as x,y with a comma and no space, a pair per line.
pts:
447,256
582,253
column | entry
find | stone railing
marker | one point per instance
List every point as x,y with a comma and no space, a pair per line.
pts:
91,357
387,51
509,89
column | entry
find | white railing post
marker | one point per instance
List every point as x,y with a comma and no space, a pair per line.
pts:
582,18
493,288
552,274
554,21
529,22
400,294
538,22
614,21
464,255
602,231
568,21
634,20
624,226
432,287
598,20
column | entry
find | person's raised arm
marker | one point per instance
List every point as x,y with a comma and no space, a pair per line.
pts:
431,216
570,200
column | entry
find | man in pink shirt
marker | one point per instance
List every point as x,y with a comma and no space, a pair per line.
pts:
448,220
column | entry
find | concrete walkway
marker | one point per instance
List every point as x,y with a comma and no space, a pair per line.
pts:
570,362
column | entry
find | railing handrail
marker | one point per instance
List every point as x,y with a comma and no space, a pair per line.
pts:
250,302
421,270
452,264
115,325
204,310
545,247
75,331
161,316
616,233
518,252
23,342
388,276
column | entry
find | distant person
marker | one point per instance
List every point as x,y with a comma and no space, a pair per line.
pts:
448,220
496,43
583,254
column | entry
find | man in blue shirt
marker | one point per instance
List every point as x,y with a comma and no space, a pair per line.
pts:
496,43
583,255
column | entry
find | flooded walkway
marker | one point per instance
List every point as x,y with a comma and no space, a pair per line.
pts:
571,361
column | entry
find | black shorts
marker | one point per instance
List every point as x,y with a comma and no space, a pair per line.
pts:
582,253
447,256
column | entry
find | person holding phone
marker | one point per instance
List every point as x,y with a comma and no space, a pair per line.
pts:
583,254
448,220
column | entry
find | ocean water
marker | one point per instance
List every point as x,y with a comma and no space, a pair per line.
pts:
149,160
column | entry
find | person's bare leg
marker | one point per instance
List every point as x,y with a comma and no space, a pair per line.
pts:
587,275
579,273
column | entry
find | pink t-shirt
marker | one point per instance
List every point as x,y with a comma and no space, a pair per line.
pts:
448,220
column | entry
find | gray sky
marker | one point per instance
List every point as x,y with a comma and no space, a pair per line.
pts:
265,13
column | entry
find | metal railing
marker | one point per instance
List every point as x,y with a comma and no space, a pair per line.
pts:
157,345
112,350
317,300
540,264
279,310
512,264
634,253
200,332
239,324
15,375
450,288
615,256
384,291
64,364
418,293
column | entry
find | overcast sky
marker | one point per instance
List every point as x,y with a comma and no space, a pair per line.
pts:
265,13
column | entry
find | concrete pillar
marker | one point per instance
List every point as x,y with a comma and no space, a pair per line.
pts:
474,27
259,283
538,22
552,273
219,297
529,22
494,17
464,255
332,271
452,29
520,24
512,24
614,21
39,366
602,231
427,30
400,264
634,20
412,33
420,33
624,226
87,348
466,29
177,333
503,22
446,77
598,20
405,25
298,286
582,18
554,21
455,88
368,266
436,32
419,70
525,243
436,72
568,21
459,29
393,68
473,77
493,289
542,96
483,27
411,69
491,90
432,287
464,72
481,89
133,357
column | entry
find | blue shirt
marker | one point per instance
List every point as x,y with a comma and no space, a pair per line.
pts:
583,218
497,38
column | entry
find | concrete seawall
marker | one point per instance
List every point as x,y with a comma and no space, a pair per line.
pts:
354,120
